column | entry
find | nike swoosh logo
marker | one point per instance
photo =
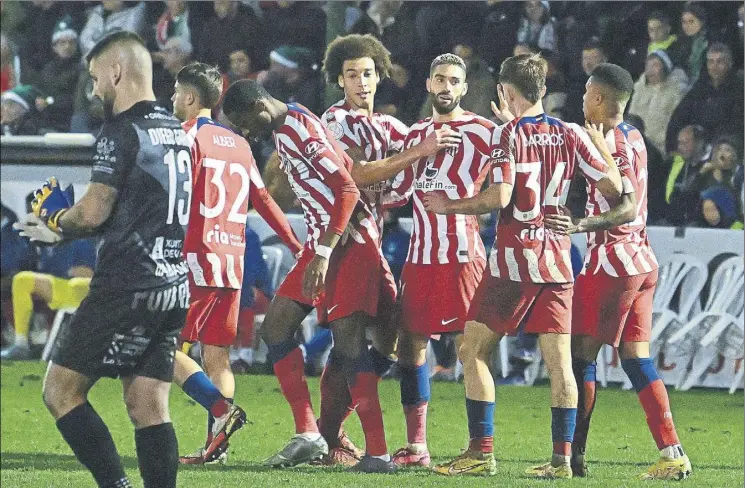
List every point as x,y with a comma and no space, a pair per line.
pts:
466,469
332,308
446,322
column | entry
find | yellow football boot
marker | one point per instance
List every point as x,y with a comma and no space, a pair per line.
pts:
472,463
546,471
669,469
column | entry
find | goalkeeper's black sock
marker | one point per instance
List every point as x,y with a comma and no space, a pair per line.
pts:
90,440
157,455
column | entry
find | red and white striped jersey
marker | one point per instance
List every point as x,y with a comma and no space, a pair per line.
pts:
459,173
538,157
625,250
378,136
316,167
224,173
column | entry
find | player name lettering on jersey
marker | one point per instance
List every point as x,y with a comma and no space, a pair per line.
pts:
223,141
460,173
625,250
538,156
162,135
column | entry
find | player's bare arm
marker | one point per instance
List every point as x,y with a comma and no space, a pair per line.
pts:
366,173
346,196
621,214
610,186
495,197
90,212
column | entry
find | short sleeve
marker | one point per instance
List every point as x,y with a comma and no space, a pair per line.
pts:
397,133
116,149
501,161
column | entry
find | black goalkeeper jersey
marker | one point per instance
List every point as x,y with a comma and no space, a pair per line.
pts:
143,152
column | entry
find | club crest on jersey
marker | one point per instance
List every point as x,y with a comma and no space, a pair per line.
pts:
104,148
336,130
544,139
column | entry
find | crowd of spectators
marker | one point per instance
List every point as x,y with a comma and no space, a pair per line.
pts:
687,59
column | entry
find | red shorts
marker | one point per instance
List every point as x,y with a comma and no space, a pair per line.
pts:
212,318
505,306
614,309
357,280
435,297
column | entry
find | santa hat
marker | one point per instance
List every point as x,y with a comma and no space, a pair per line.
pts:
64,30
294,57
23,95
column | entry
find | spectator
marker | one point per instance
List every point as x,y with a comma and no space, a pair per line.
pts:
174,22
10,64
20,115
656,95
719,206
685,164
241,66
694,42
175,55
111,15
660,35
537,26
593,54
294,76
716,100
61,280
16,255
656,173
554,101
59,77
39,23
234,27
294,24
499,32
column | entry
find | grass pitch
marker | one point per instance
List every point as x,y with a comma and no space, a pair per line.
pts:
710,424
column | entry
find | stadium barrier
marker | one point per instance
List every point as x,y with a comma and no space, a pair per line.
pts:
25,162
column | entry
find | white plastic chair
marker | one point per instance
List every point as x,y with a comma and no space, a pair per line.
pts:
684,272
725,302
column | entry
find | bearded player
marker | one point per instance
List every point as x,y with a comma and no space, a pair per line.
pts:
613,303
446,255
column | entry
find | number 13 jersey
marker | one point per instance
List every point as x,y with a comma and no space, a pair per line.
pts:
224,173
538,156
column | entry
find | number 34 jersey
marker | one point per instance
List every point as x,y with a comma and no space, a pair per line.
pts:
224,173
538,156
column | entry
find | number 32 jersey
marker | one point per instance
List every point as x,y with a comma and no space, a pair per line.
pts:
538,156
224,174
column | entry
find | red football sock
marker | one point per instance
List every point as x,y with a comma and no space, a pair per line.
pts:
482,444
336,402
292,382
416,423
364,392
656,406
